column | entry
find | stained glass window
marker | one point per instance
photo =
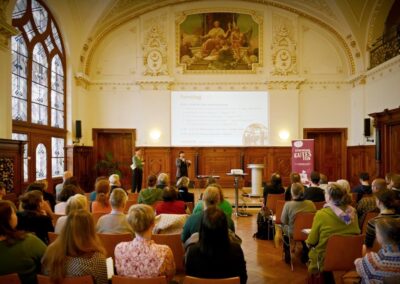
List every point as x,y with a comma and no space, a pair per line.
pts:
41,162
23,137
38,87
57,156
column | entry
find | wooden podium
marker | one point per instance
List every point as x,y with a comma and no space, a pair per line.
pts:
236,177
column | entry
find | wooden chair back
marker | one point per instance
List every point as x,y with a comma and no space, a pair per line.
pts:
303,220
87,279
129,203
195,280
271,201
130,280
279,210
12,278
190,206
110,241
52,236
175,243
96,216
341,251
368,216
319,205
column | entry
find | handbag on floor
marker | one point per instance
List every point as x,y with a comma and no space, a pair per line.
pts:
265,226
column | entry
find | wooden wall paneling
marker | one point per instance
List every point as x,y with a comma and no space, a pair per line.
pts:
81,163
387,124
281,163
191,154
13,150
360,159
156,161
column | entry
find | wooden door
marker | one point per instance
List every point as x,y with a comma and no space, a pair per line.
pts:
394,148
329,151
117,146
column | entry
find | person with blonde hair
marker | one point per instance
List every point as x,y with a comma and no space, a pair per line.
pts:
76,202
345,184
142,257
162,180
77,251
223,204
102,205
20,252
115,222
115,181
183,190
336,218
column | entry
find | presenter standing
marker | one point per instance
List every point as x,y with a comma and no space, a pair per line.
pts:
137,167
182,166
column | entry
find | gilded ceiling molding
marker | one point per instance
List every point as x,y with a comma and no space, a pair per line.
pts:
134,12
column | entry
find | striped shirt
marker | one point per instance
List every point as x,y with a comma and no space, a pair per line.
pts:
370,233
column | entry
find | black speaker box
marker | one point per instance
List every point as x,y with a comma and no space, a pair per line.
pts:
78,129
367,127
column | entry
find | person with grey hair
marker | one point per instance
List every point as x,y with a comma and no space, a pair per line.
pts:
211,197
59,187
115,222
75,202
162,180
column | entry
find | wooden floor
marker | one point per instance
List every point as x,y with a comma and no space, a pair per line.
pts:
264,261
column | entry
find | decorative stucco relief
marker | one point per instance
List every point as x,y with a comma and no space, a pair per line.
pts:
155,52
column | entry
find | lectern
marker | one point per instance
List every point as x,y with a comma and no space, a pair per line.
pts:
236,176
256,179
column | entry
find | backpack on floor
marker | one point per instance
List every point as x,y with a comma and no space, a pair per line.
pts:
265,226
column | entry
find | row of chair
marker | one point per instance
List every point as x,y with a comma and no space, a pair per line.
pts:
87,279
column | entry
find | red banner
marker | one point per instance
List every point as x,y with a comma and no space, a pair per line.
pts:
303,158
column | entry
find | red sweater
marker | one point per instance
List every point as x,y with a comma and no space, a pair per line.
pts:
171,207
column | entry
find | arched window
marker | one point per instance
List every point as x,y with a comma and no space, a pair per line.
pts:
38,90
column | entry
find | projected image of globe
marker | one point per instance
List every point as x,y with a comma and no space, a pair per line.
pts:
256,134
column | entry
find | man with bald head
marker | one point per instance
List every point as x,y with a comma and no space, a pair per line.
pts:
368,203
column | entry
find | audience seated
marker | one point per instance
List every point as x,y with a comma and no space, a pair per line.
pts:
385,201
183,190
115,182
314,192
92,196
74,181
294,177
76,202
142,257
368,203
46,196
102,205
323,181
65,194
215,256
364,187
162,181
33,218
384,265
223,204
151,194
336,218
395,184
77,251
115,222
3,190
170,204
345,184
275,187
290,209
211,197
19,252
59,187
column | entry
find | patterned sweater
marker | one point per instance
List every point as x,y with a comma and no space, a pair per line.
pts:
375,267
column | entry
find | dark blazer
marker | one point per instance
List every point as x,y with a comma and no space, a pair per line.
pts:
181,168
314,193
229,264
31,221
185,195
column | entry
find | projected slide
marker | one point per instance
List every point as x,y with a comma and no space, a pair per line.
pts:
219,118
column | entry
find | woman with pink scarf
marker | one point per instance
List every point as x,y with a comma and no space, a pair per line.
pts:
336,218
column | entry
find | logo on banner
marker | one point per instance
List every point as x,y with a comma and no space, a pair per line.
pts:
303,158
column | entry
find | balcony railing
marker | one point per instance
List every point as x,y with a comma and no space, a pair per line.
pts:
386,47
